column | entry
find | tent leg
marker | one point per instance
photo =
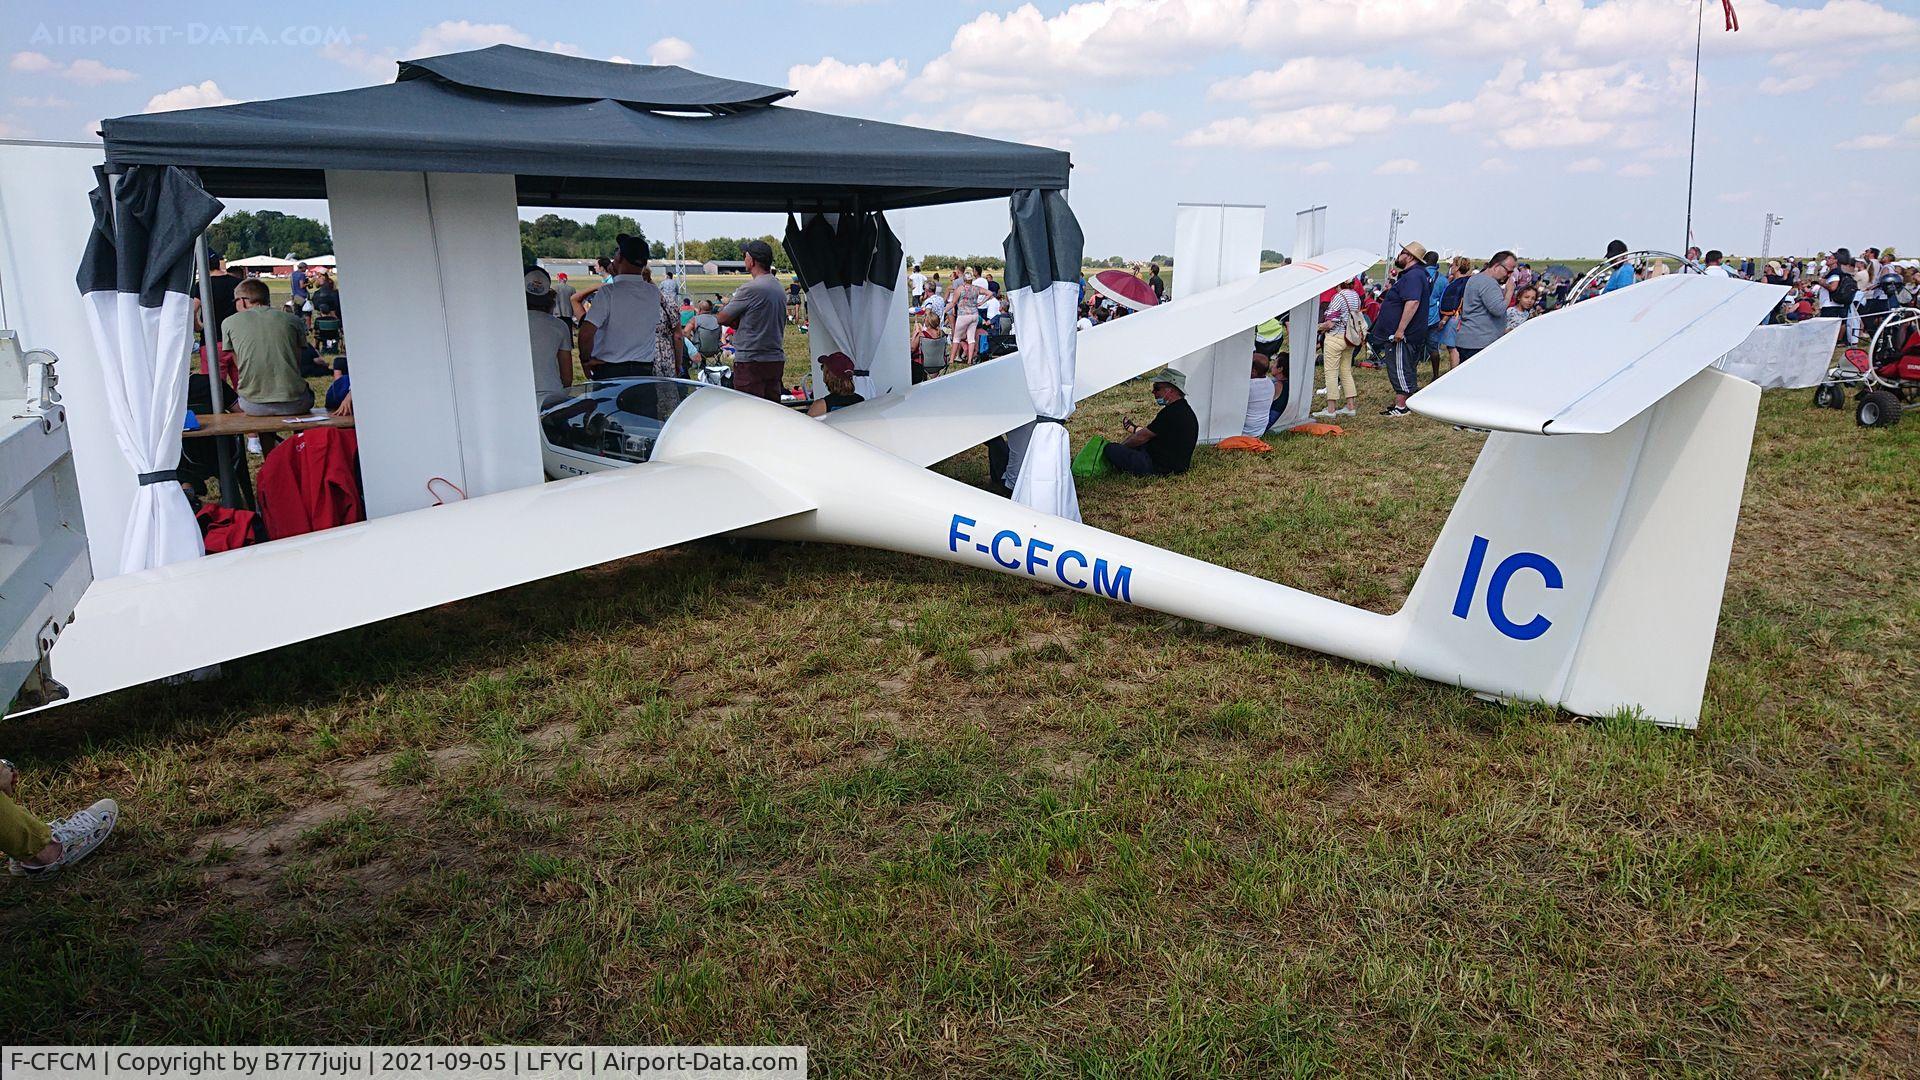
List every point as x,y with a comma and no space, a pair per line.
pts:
230,495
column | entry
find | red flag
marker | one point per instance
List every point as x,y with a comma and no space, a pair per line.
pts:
1733,20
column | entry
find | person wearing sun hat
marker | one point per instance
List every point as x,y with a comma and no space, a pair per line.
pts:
552,340
1164,446
1403,324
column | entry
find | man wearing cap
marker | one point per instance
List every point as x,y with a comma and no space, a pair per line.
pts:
1164,446
758,315
551,340
622,334
1403,309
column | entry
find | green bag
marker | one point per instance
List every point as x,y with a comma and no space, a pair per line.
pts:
1091,462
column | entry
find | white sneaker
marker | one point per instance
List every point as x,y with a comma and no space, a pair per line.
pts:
1345,410
1327,413
78,836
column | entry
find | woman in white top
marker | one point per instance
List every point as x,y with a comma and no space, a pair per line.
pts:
1259,398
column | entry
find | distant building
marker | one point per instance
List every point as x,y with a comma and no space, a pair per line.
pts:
573,268
683,267
723,266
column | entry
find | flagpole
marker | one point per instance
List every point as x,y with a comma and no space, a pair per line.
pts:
1693,135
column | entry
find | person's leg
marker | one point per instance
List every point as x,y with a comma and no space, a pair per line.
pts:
1347,386
23,836
1128,459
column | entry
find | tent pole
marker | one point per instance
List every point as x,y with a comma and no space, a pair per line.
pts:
210,359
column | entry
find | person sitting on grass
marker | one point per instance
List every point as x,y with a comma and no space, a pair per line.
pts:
39,849
1259,398
837,369
266,344
1164,446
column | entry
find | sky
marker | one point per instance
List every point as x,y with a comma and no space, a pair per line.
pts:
1548,126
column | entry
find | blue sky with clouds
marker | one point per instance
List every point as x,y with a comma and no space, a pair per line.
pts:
1546,125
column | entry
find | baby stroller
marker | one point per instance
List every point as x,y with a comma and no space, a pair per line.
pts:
1887,370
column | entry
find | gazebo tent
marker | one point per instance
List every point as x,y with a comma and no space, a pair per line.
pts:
576,132
429,171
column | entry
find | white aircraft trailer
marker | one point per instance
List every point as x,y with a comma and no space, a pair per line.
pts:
1582,566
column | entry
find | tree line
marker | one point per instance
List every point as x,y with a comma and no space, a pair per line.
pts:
551,236
244,233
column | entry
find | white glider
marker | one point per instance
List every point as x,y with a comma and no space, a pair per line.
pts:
1581,570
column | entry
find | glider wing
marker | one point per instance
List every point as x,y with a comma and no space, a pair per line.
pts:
1591,367
944,416
139,627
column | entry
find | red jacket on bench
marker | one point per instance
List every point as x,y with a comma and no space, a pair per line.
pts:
312,481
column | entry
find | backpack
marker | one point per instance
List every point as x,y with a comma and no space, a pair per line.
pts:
1843,290
1451,298
1354,327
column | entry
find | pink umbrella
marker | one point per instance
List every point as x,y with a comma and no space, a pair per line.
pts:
1124,289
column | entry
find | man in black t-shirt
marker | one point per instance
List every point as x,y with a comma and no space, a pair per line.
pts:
1164,446
220,286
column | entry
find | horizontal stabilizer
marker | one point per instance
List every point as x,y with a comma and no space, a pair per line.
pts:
140,627
944,416
1588,368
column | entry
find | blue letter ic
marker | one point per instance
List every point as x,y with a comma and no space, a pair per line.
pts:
1497,589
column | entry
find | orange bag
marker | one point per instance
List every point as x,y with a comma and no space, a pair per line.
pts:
1244,442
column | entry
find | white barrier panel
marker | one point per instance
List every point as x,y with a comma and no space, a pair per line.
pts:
1784,357
442,369
45,220
1214,245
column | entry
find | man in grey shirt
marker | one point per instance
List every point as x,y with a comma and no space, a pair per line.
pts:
1483,306
758,315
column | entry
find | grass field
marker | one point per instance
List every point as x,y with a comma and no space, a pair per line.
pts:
932,821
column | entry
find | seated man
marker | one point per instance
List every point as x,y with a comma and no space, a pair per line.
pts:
1164,446
705,332
266,345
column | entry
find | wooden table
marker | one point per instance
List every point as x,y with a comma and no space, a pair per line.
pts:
242,424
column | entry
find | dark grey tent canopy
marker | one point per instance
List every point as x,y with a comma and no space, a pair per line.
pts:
578,132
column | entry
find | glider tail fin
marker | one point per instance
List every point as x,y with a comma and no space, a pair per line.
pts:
1587,570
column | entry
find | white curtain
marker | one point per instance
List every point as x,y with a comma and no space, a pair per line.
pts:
134,279
1043,281
851,266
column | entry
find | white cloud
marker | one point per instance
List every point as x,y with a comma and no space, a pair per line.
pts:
1895,92
669,50
1396,167
1793,84
1735,197
1307,80
1912,126
94,73
1636,169
45,101
1586,165
190,96
834,82
1496,165
84,71
1025,49
448,36
1316,168
1563,107
1865,142
1312,128
1152,118
1031,118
